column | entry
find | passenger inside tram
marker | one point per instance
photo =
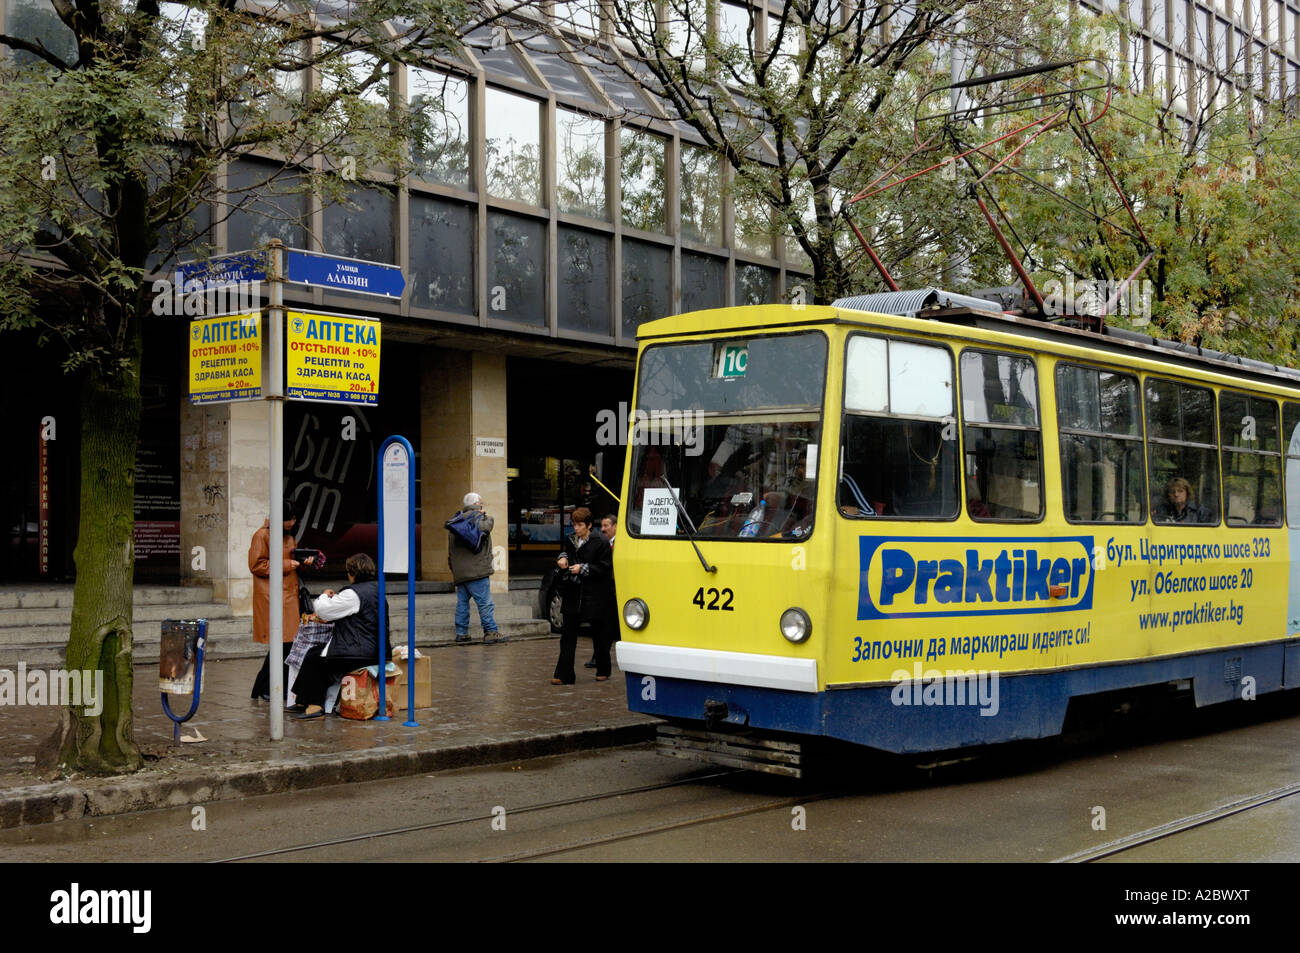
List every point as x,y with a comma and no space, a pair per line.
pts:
897,469
1180,504
1003,477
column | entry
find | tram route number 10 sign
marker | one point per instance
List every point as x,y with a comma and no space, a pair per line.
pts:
332,358
733,361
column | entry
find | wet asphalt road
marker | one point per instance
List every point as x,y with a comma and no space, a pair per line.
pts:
1037,802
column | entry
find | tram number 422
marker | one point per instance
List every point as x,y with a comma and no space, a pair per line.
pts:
713,595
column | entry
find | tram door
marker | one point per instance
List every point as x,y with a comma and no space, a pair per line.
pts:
1291,424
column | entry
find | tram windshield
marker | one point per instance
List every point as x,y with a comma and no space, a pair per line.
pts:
732,429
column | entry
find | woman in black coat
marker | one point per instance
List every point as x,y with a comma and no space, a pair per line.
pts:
588,597
353,644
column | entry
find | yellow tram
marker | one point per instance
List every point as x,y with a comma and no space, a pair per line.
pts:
930,529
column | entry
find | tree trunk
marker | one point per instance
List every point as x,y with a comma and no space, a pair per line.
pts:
101,636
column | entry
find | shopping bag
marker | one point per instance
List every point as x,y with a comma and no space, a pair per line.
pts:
359,695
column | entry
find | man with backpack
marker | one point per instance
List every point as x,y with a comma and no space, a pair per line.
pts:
469,553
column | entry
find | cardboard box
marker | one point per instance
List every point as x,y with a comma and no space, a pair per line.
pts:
423,684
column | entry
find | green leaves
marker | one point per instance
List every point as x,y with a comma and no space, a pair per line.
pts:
107,160
1217,205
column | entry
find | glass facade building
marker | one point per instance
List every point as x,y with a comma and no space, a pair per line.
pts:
551,197
554,207
1188,47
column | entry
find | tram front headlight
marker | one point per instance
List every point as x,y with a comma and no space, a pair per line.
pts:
795,625
636,614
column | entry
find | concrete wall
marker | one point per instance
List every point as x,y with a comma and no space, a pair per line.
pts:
225,483
462,396
250,491
205,495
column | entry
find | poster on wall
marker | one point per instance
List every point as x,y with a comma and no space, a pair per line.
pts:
157,534
330,474
43,504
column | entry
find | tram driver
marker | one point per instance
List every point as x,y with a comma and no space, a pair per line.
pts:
1180,504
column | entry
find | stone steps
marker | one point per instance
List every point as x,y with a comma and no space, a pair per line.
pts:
141,614
34,621
230,638
425,609
397,598
60,597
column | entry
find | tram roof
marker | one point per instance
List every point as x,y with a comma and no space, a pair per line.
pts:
1110,340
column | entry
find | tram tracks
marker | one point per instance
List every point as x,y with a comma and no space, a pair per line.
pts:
543,807
1088,855
1179,826
710,818
569,832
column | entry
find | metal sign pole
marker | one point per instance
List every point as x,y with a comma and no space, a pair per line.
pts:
275,399
380,640
410,594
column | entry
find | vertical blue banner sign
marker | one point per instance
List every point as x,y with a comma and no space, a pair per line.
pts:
397,554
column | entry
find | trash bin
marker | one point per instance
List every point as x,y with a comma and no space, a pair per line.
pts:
180,665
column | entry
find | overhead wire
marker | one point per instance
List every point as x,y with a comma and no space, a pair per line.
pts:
1088,94
1146,122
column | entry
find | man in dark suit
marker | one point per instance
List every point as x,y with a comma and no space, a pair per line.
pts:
608,529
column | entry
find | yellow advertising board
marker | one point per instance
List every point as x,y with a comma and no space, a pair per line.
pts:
226,358
332,358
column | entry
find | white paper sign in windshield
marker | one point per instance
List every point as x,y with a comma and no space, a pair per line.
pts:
658,513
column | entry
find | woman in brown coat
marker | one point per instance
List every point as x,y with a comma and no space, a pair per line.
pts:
259,564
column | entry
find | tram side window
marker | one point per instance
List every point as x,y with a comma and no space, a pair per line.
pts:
1291,447
899,439
1004,479
1252,460
1182,453
1102,476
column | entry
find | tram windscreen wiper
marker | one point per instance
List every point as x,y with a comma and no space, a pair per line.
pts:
690,527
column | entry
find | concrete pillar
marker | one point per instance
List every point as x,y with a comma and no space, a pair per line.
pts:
205,494
248,496
462,396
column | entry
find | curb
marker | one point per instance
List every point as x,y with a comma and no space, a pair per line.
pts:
65,801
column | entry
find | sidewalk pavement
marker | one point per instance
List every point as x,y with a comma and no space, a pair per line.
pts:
491,704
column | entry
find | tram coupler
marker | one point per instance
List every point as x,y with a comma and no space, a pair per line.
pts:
180,666
717,713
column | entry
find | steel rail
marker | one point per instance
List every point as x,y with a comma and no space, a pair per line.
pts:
1179,826
477,819
662,828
